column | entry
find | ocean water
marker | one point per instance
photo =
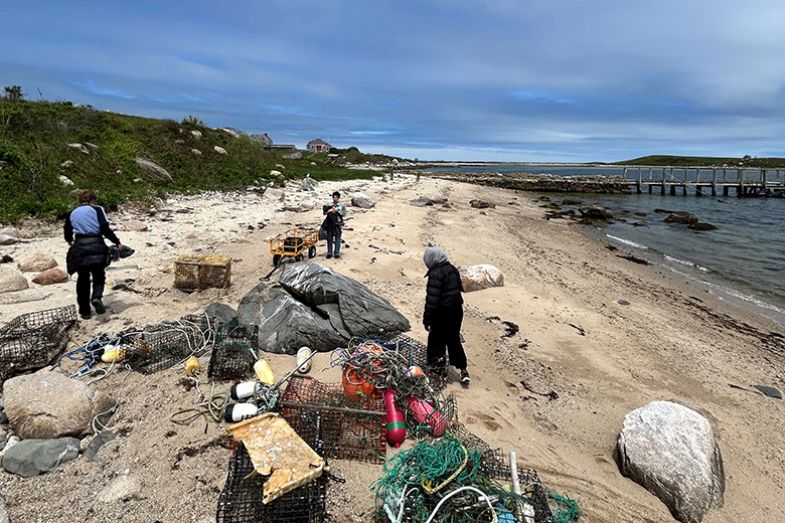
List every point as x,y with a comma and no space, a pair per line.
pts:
742,261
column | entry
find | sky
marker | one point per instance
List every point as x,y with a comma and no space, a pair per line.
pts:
505,80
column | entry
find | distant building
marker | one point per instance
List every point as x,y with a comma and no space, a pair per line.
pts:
318,146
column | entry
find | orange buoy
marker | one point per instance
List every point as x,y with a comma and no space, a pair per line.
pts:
354,385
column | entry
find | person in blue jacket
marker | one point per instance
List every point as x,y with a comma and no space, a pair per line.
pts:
88,256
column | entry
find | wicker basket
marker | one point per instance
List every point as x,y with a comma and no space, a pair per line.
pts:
192,272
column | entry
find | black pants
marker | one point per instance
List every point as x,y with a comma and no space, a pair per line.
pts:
83,296
446,333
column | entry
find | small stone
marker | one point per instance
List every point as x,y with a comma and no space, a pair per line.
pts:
196,152
481,204
197,135
135,226
623,302
65,180
66,164
79,147
771,392
97,442
220,150
7,239
122,488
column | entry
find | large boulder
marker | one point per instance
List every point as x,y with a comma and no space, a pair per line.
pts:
32,457
363,201
671,451
11,279
51,277
479,277
314,306
153,169
36,262
49,404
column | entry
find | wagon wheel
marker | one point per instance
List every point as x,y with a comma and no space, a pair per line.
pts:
298,257
276,260
312,251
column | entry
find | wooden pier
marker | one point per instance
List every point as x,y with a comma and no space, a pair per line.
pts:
743,181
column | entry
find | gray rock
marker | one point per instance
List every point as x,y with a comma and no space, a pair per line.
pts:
66,164
7,239
65,180
481,204
308,184
32,457
223,312
427,201
153,169
12,279
769,391
595,213
220,150
196,152
122,488
101,439
314,306
681,217
37,262
363,201
49,404
197,135
300,207
78,147
671,451
623,302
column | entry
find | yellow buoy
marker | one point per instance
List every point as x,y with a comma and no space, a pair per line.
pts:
192,366
113,354
264,372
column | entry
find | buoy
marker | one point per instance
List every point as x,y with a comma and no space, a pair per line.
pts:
264,372
303,360
113,354
240,411
424,412
354,385
396,426
244,390
192,366
414,372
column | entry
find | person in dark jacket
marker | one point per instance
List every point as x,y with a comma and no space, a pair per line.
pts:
85,230
444,312
333,225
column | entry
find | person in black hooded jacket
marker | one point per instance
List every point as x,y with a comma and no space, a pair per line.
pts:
443,313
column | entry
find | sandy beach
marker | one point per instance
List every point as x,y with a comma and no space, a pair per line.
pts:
601,359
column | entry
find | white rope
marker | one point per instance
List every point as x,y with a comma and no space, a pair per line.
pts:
451,494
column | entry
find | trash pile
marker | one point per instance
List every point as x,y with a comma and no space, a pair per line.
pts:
284,430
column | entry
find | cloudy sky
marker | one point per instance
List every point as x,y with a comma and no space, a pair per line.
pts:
527,80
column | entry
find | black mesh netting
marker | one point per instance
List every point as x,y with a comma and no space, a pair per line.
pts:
351,429
160,346
233,352
241,499
33,340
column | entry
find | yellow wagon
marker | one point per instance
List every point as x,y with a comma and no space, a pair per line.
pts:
294,243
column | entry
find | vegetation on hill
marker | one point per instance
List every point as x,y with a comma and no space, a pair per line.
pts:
35,153
705,161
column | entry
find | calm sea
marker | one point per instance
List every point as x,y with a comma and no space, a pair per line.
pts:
742,261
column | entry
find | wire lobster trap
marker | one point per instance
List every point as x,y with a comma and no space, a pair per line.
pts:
351,429
162,345
31,341
233,352
241,499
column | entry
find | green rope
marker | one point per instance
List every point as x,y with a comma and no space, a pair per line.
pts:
567,510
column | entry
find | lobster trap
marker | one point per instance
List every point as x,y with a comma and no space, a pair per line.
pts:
241,499
233,352
351,429
31,341
163,345
193,272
